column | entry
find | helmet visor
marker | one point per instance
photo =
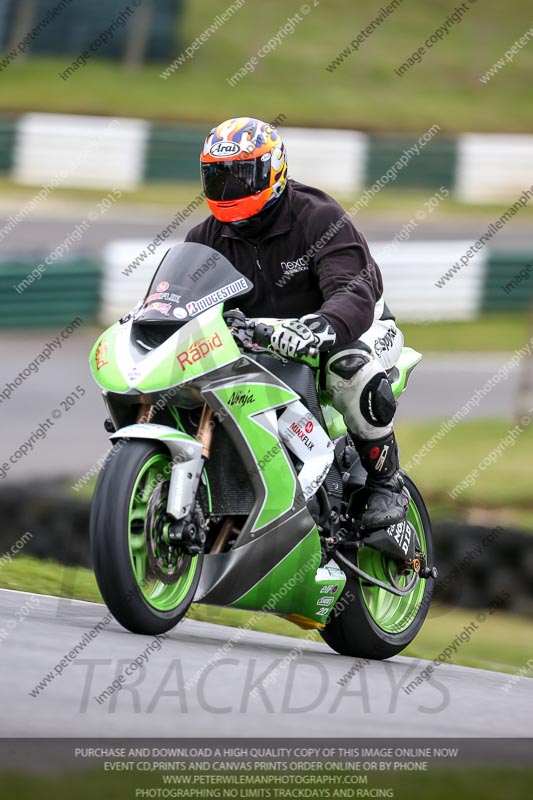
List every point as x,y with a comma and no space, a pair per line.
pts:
232,180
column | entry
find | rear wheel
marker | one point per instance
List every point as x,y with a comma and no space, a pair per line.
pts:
371,622
147,582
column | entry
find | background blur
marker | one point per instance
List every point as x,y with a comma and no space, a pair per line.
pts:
417,117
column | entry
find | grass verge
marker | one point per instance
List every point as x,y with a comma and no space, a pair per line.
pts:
293,78
490,333
501,643
504,483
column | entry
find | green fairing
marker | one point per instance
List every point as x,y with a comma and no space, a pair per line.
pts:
168,371
276,470
297,586
409,358
103,362
293,586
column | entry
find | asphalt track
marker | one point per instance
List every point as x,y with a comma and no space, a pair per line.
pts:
43,230
439,387
189,687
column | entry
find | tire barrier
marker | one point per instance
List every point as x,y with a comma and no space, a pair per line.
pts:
56,518
474,562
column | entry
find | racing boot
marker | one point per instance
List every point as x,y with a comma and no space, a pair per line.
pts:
388,498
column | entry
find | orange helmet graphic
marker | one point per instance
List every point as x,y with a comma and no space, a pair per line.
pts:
244,168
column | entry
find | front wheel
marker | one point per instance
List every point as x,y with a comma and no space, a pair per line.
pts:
147,582
371,622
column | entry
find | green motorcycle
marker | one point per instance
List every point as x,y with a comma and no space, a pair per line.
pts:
232,480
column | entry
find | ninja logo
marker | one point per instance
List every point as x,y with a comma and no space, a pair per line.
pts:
241,398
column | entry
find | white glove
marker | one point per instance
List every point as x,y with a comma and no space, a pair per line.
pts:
295,338
324,333
292,338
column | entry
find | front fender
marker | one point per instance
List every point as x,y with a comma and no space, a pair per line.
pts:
187,463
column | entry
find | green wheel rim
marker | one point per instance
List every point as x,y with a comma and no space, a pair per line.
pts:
160,595
391,613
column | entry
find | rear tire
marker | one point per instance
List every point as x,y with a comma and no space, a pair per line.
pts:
142,603
353,630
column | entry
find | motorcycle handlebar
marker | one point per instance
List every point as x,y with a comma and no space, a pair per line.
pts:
262,334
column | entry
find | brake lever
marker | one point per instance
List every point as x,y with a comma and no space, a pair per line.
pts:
242,335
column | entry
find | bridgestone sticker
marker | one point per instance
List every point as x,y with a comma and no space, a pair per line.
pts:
217,297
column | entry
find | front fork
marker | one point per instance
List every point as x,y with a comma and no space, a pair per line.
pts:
190,531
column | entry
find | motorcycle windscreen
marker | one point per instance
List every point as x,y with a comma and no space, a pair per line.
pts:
190,279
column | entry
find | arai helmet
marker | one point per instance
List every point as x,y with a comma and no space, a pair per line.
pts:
244,168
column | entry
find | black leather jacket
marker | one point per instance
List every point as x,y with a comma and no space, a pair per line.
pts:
303,256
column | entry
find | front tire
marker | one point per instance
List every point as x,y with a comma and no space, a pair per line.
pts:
371,622
147,584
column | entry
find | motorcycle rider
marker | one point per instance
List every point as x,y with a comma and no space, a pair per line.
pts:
310,264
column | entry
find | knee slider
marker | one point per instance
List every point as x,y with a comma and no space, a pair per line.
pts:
377,403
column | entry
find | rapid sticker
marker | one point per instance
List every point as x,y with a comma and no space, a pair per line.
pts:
198,349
